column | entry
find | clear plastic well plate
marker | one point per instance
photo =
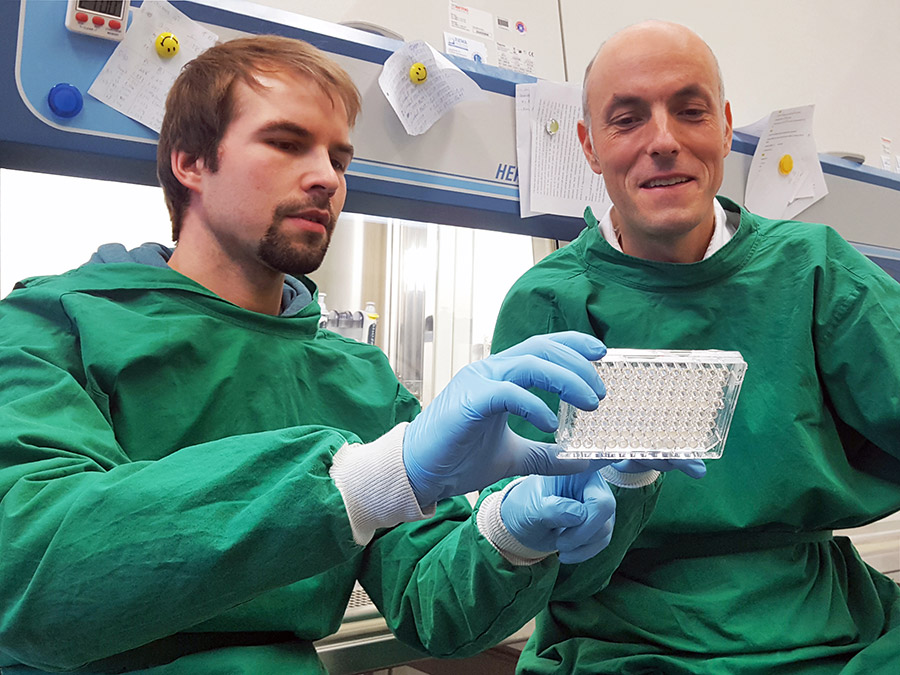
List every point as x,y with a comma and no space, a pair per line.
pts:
660,404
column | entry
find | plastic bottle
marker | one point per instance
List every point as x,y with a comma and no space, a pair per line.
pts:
323,319
370,323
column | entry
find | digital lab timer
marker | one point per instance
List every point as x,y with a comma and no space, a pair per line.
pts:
105,19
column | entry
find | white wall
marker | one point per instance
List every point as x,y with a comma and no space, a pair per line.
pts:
844,57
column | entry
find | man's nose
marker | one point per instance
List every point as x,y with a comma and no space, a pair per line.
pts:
662,139
319,173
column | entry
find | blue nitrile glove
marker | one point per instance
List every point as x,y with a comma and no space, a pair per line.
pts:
695,468
570,514
461,442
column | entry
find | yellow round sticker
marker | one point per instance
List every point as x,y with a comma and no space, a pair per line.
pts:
418,73
166,45
785,165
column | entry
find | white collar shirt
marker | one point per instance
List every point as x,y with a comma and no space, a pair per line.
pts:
722,231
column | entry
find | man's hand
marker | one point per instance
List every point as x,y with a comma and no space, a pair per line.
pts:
573,514
461,441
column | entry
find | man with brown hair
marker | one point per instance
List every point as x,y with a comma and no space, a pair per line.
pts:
193,475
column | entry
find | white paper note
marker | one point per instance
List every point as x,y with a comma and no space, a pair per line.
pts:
771,192
136,79
419,106
559,179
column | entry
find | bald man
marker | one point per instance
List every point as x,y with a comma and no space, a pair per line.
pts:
739,573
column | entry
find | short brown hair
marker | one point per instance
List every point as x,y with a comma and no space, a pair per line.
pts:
200,104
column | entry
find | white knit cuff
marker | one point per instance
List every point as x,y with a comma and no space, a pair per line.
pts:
628,480
372,480
491,526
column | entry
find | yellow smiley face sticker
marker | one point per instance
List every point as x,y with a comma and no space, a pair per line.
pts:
166,45
417,73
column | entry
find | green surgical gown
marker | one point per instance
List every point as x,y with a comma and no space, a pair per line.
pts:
739,573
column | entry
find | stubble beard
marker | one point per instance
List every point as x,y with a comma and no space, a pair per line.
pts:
295,253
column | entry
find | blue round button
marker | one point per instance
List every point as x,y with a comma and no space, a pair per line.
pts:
65,100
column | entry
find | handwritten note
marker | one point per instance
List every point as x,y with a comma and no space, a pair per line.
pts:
419,106
554,176
135,79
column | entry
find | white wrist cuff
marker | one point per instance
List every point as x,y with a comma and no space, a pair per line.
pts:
491,526
629,480
372,480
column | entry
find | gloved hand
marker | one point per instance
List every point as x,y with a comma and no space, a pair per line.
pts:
461,442
695,468
570,514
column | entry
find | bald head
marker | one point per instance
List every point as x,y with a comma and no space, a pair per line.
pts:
648,35
657,130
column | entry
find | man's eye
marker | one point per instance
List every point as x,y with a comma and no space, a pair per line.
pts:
286,146
693,113
338,165
625,121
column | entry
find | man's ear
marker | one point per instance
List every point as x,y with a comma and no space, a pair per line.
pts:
587,146
728,128
188,169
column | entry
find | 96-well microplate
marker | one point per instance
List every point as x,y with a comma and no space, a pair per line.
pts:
660,404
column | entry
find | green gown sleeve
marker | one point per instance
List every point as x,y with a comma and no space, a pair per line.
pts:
461,597
856,308
455,598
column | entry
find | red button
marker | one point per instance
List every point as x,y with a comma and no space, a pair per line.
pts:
98,20
115,25
81,17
